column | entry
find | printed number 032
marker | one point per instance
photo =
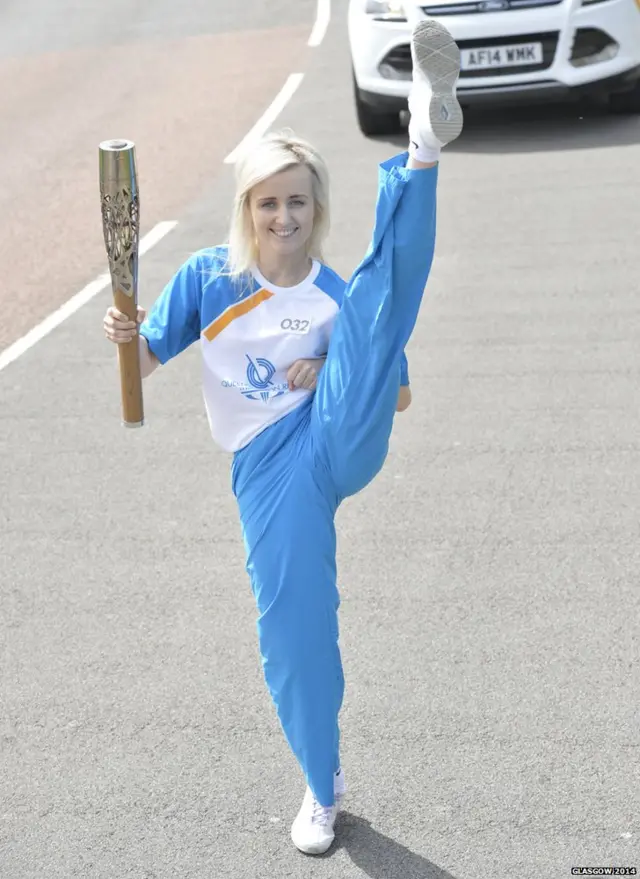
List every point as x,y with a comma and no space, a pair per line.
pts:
295,326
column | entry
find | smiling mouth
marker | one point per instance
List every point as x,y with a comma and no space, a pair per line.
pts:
285,233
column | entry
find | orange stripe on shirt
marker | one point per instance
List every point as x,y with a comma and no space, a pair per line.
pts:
220,323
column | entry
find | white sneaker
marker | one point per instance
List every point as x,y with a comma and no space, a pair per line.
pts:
312,831
436,66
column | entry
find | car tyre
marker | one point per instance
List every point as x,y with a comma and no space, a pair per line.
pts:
626,102
374,122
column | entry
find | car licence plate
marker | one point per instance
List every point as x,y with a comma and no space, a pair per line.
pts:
517,55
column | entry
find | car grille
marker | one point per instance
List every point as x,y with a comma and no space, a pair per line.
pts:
481,6
399,58
549,43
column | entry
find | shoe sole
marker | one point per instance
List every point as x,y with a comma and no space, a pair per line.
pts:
437,55
312,850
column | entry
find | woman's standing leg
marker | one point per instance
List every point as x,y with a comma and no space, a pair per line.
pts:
357,392
287,509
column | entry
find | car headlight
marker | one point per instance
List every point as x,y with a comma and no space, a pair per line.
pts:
386,10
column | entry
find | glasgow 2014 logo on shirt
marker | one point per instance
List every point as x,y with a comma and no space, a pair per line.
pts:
259,384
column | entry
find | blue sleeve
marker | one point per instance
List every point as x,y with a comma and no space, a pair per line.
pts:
174,320
404,371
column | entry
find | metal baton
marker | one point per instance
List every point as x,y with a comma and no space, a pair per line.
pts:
120,203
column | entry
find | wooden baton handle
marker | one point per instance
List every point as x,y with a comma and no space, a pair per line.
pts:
129,363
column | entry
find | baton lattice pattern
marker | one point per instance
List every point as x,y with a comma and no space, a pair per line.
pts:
121,226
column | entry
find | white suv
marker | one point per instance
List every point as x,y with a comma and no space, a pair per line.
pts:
540,50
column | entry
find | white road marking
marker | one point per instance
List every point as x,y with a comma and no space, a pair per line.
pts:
323,18
72,305
268,117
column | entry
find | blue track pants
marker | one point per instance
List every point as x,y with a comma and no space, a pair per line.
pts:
290,480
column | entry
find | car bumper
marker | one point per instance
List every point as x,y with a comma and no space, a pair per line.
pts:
519,93
560,26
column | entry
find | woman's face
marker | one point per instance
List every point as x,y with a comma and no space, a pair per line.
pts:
282,210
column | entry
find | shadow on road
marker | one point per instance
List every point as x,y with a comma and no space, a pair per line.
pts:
378,856
540,128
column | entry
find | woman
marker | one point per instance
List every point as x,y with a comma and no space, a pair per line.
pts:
307,432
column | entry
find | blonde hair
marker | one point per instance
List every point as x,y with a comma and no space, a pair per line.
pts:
272,154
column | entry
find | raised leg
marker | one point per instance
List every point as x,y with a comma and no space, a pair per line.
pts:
356,397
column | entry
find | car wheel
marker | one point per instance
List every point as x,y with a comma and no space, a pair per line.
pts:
626,102
374,122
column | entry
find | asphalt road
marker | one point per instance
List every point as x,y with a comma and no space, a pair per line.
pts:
490,574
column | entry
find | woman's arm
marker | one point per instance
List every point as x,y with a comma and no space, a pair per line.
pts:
173,323
122,331
304,374
148,361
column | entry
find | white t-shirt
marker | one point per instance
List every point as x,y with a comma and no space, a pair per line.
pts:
250,336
